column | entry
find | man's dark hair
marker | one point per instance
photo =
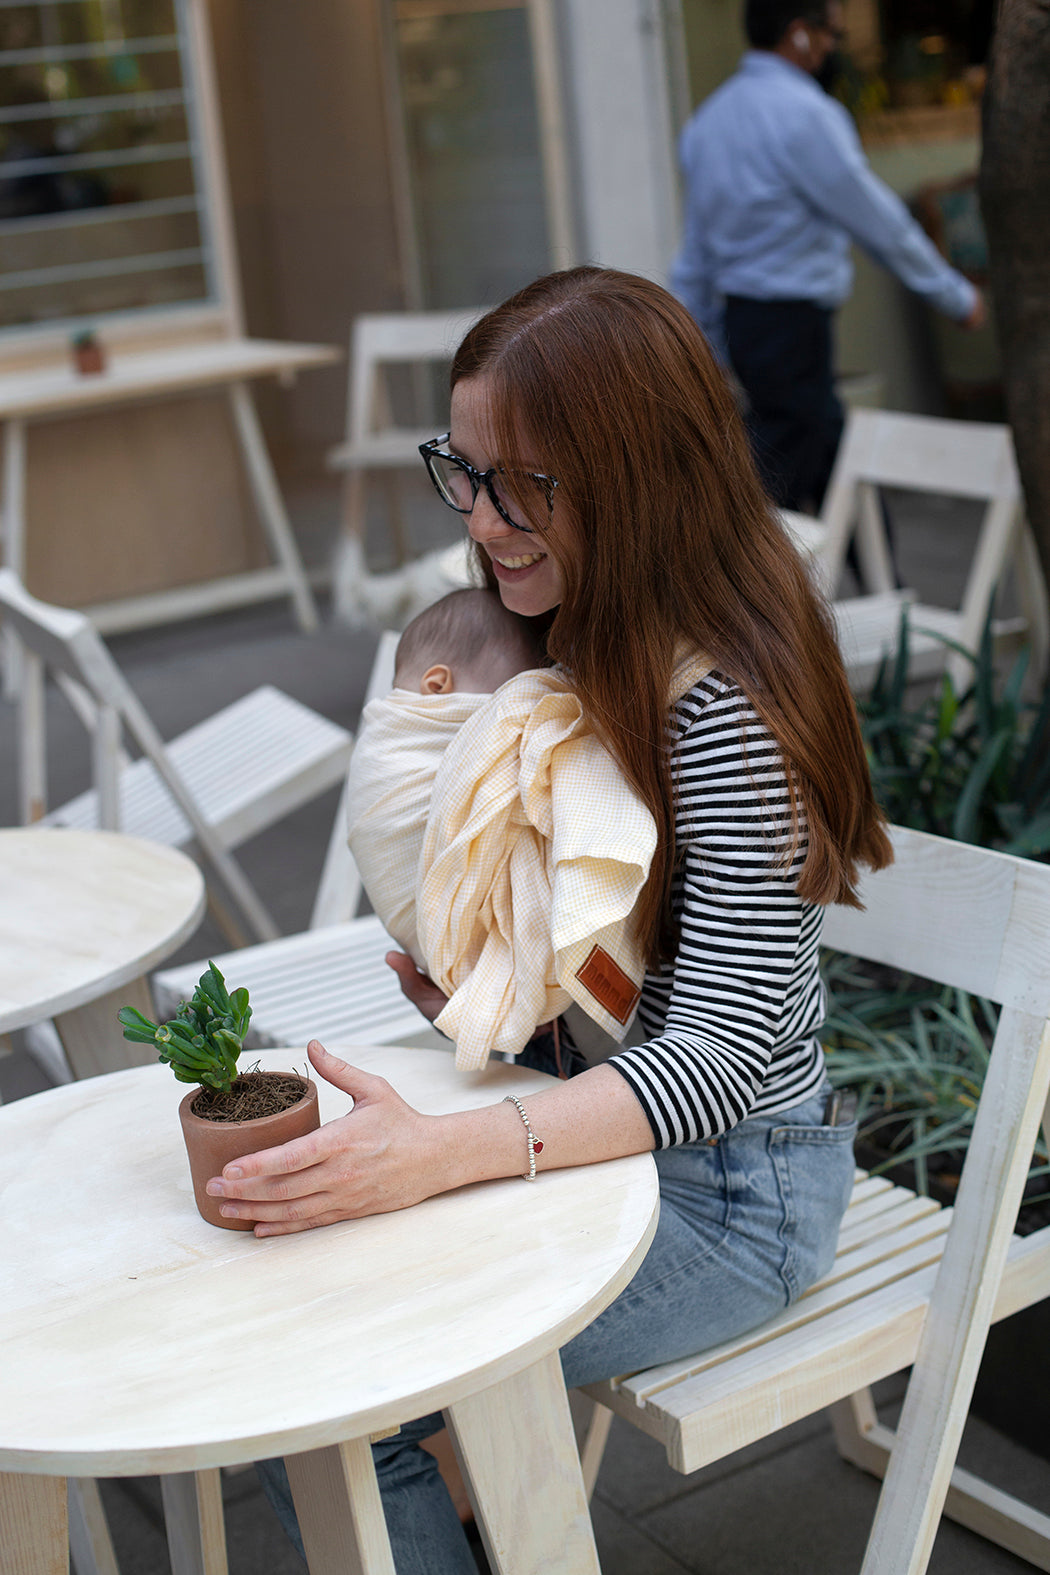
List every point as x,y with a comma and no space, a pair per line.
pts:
766,21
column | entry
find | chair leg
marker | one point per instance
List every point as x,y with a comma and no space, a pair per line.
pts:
225,920
971,1502
395,518
13,542
270,505
592,1449
353,503
194,1521
90,1546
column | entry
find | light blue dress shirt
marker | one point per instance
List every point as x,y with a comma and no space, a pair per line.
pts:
777,186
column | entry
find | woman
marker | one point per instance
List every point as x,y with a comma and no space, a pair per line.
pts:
608,489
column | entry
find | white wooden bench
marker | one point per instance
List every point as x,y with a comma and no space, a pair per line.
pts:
912,1283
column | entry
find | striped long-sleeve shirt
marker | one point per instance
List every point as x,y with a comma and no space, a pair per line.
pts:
733,1023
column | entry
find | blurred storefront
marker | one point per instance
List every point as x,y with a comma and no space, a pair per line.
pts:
167,166
378,154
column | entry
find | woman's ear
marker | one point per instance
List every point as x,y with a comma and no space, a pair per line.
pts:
437,680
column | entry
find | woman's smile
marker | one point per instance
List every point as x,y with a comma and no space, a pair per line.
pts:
522,561
530,576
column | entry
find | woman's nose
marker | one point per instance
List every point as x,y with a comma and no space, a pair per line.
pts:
484,520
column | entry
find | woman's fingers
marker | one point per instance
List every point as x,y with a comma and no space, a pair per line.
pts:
361,1086
368,1161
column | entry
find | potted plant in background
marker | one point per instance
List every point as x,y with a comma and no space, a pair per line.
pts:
230,1113
88,356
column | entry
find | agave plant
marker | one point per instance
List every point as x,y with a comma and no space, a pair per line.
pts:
916,1054
202,1041
973,766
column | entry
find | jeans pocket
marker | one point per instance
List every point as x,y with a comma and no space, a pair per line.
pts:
814,1168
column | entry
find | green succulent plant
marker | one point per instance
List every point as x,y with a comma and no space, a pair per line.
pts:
202,1041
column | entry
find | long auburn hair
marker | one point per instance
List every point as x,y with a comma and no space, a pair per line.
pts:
605,380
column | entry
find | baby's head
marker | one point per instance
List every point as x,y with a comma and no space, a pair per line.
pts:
468,642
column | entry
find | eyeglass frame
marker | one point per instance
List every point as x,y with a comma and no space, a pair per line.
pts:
483,478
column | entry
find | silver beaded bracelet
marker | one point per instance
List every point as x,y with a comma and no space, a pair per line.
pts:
535,1145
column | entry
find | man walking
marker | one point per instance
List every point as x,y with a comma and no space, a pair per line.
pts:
777,186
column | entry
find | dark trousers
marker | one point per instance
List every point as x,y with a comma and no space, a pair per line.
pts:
781,351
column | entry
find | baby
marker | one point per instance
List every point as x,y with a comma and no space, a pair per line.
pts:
449,660
496,838
467,643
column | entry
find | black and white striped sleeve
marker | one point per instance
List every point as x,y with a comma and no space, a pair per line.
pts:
732,1025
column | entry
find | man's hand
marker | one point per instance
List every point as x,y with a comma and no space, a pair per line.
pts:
977,316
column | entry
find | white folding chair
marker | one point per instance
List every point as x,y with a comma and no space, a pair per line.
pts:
379,342
330,981
965,459
211,789
912,1284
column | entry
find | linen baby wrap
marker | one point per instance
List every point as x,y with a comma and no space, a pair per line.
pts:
502,848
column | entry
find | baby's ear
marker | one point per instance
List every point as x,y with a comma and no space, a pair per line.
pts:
437,680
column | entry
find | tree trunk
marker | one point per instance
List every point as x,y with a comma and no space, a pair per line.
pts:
1015,200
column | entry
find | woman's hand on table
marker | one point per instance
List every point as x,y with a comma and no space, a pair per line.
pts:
416,987
382,1155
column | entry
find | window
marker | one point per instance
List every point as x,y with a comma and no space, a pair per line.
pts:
914,69
102,185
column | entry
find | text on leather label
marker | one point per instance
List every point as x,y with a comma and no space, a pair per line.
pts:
603,978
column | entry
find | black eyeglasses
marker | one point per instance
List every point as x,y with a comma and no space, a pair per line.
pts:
457,482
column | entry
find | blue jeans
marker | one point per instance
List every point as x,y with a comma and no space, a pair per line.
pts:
747,1222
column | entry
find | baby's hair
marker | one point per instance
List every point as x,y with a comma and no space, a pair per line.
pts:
458,628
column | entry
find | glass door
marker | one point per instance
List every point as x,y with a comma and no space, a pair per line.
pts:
485,187
101,165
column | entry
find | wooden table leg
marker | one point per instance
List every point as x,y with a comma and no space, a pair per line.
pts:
90,1544
518,1454
193,1519
34,1530
339,1510
92,1037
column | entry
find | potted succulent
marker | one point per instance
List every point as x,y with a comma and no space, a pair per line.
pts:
230,1113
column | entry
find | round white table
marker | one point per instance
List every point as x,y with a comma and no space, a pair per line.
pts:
138,1340
84,916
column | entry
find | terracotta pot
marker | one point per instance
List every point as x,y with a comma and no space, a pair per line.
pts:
89,359
212,1144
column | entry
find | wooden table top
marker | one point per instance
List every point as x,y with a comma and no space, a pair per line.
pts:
138,1339
82,912
139,374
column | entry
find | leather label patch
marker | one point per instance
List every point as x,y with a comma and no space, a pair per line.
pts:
614,990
